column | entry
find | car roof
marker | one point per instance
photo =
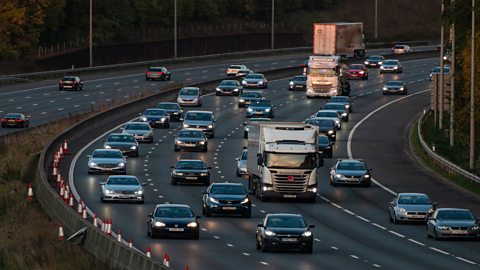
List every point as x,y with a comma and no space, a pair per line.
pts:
259,119
190,87
334,103
13,114
394,81
321,118
227,184
200,112
453,209
122,176
261,74
284,215
172,205
106,150
376,56
191,160
166,102
351,160
156,67
137,122
119,134
412,194
391,60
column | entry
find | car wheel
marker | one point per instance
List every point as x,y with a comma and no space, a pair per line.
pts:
174,182
212,135
217,94
365,78
169,77
176,149
330,155
245,135
207,183
395,220
149,234
390,219
263,248
435,235
205,149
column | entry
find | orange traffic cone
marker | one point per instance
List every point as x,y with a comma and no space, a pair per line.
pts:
55,170
30,193
65,147
60,152
149,253
66,195
70,201
109,227
186,268
166,260
61,236
84,213
130,243
119,236
79,206
103,226
59,179
95,222
62,190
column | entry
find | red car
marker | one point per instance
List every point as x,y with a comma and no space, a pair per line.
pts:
15,120
358,71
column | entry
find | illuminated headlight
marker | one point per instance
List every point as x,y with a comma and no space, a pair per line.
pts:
108,147
159,224
347,106
445,58
192,225
338,176
270,233
430,210
291,83
92,164
163,119
210,126
401,88
314,190
361,72
380,62
260,83
133,147
179,142
402,210
203,174
139,192
244,82
249,110
241,100
328,147
367,176
218,89
337,122
330,132
385,88
235,90
475,227
144,119
185,126
202,142
177,173
122,164
267,188
244,201
307,234
107,191
344,114
213,200
247,129
148,134
442,227
366,62
395,67
267,110
381,67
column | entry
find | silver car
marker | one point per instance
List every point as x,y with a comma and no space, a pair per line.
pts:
255,80
453,223
141,131
410,207
333,114
122,188
107,160
242,164
189,96
391,65
200,120
395,87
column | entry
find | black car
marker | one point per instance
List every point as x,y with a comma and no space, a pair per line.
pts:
174,111
325,125
350,172
123,142
158,73
175,220
247,97
341,108
190,171
155,117
70,83
374,61
297,83
284,231
229,87
342,99
325,146
191,139
226,199
15,120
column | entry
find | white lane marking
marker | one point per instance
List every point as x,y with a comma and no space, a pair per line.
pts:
246,254
379,226
52,101
334,248
230,245
439,250
416,242
35,104
18,108
216,237
376,265
60,109
362,218
411,81
27,97
396,233
204,229
354,256
348,212
264,263
44,113
98,85
465,260
317,240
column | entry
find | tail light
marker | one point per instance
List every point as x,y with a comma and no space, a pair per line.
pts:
61,82
75,82
148,72
4,119
159,73
18,120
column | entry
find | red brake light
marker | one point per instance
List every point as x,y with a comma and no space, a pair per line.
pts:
61,82
4,119
148,72
18,120
159,73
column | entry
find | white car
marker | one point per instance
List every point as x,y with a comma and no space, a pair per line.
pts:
400,49
232,70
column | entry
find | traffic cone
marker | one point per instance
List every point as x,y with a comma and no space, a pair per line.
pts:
62,190
109,227
84,213
61,236
130,243
149,253
186,268
70,201
65,147
95,222
119,236
55,170
59,179
66,195
166,260
79,206
30,193
103,225
60,152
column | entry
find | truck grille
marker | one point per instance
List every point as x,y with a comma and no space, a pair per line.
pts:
290,183
321,88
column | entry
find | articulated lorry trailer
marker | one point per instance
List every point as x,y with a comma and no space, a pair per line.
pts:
339,39
282,160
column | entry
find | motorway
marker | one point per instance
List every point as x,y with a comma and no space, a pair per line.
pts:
352,229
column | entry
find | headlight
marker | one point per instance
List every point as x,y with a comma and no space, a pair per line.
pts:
330,132
210,126
185,126
381,67
445,58
163,119
380,62
395,67
202,142
218,89
159,224
107,191
338,175
430,210
366,62
247,129
235,90
384,88
177,173
314,190
192,225
307,234
260,82
475,227
245,200
250,110
367,176
241,100
133,147
91,164
213,200
144,119
361,72
203,174
267,110
344,114
401,88
402,210
442,227
108,147
291,83
139,192
347,106
270,233
338,122
179,142
244,82
122,164
265,188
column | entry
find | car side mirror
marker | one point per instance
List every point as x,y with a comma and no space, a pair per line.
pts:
435,204
244,124
321,162
251,193
431,218
259,159
101,183
260,225
237,159
370,169
144,184
150,216
273,106
139,113
333,143
392,203
311,226
171,167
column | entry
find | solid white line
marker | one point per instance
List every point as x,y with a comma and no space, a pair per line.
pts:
465,260
416,242
362,218
396,233
349,212
439,250
334,248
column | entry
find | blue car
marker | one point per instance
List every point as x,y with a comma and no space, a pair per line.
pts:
156,117
260,108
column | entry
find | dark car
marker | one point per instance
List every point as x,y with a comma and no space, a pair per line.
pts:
325,146
358,71
374,61
436,70
325,125
247,97
284,231
391,65
298,82
123,142
332,114
175,220
175,112
260,108
453,223
343,99
350,172
255,80
191,140
155,117
340,108
229,87
70,83
395,87
200,120
15,120
226,199
190,171
158,73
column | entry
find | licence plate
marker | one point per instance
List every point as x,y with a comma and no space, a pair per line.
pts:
191,178
417,216
11,121
176,229
373,64
299,86
289,239
107,169
459,232
258,112
289,196
229,208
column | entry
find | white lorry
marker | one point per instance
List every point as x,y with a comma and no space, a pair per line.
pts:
282,160
339,39
327,77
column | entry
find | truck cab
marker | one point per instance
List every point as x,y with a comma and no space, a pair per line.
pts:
327,76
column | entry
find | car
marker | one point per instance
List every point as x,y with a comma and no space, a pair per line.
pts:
325,125
174,111
226,199
232,70
325,146
260,108
332,114
391,65
436,70
350,172
247,126
447,57
242,164
401,49
342,99
189,96
298,82
340,108
229,87
108,161
374,61
122,188
15,120
123,142
395,87
175,220
200,120
255,80
247,97
190,139
70,83
141,131
453,223
284,231
155,117
415,207
357,71
158,73
244,72
191,171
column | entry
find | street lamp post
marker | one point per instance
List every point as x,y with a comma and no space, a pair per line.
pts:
175,29
273,25
376,19
472,93
452,83
441,88
90,34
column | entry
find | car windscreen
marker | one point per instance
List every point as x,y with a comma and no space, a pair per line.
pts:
70,79
235,67
394,83
260,120
455,215
413,199
199,116
326,114
107,154
168,106
374,58
13,115
227,189
339,99
323,140
190,134
321,122
137,127
244,155
351,166
121,138
336,107
156,69
155,112
290,161
252,95
390,62
399,47
300,78
189,92
286,222
174,212
261,103
229,83
254,76
127,181
356,67
190,165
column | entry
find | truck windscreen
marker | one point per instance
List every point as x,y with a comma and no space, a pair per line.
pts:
322,72
290,161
